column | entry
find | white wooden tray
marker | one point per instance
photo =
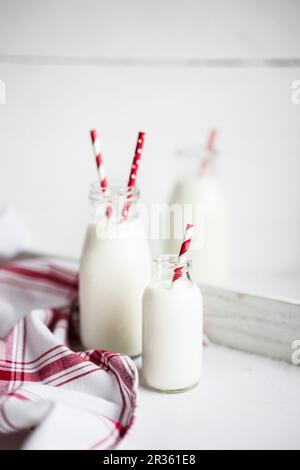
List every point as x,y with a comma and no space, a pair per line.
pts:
251,323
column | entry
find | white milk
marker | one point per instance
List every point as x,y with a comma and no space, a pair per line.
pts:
115,268
210,247
172,335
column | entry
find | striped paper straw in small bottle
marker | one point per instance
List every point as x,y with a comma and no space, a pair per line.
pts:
183,254
209,150
134,172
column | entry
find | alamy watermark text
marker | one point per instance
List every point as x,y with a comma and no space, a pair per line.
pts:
295,97
296,353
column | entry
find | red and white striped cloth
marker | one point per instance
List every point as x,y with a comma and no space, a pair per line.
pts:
67,397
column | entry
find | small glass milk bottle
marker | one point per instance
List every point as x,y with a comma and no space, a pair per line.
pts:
114,271
172,329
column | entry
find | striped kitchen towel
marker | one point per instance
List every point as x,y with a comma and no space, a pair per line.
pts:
65,397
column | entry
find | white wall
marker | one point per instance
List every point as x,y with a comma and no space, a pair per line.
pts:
164,67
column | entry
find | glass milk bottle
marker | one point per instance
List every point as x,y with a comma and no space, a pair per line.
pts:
202,198
172,329
114,270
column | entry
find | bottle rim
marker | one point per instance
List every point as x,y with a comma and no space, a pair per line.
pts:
171,261
195,152
115,190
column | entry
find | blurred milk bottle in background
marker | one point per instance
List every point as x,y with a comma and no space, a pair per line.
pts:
199,198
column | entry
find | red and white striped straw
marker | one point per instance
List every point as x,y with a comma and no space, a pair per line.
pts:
182,258
134,172
210,147
211,141
100,167
99,159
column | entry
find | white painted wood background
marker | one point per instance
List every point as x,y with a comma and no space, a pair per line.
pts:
173,68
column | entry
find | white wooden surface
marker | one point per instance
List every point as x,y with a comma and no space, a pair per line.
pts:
58,86
243,402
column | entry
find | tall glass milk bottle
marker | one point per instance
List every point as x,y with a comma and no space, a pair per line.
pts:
172,329
114,270
200,199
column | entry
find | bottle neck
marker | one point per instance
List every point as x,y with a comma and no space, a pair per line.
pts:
208,164
115,204
164,267
197,162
